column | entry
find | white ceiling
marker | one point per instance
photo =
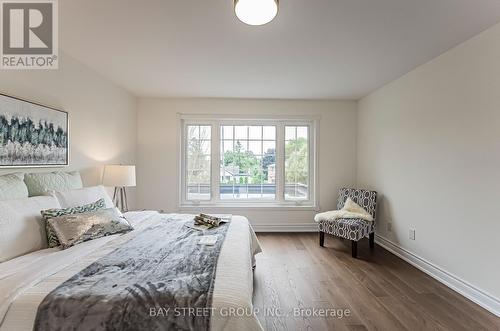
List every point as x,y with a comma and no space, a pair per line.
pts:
314,49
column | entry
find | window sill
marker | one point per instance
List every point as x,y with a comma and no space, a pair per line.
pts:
239,207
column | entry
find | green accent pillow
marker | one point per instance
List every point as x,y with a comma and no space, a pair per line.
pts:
52,239
12,187
41,183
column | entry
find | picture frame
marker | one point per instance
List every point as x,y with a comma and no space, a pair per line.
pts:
32,134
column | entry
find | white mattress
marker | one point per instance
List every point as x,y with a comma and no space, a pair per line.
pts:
26,280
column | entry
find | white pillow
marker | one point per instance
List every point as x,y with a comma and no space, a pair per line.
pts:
353,207
12,187
22,229
40,183
83,196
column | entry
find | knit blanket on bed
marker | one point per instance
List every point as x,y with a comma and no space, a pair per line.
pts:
154,281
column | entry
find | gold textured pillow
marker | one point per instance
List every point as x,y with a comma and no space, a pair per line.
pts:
77,228
51,213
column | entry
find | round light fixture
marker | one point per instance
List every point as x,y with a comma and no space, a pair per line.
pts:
256,12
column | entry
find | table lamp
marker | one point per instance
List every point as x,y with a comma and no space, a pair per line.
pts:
119,177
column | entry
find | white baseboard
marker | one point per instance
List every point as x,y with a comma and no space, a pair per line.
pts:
474,294
296,227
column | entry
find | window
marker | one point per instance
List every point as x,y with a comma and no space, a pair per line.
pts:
198,162
296,162
250,162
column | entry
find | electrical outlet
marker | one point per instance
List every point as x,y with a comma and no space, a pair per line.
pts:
389,227
412,234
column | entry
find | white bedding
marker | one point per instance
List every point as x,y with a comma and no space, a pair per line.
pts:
25,281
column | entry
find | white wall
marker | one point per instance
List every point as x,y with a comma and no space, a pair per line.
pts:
430,143
158,144
102,115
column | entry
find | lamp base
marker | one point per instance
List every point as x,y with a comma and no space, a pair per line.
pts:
120,199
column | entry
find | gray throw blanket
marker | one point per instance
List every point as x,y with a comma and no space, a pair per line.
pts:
161,279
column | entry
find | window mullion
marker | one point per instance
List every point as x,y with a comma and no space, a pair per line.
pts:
280,162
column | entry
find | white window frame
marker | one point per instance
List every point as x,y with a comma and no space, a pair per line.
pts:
216,121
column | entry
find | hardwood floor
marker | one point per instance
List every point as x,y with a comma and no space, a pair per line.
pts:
381,291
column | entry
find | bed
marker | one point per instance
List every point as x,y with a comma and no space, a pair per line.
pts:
27,280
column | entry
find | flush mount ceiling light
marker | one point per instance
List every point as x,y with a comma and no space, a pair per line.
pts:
256,12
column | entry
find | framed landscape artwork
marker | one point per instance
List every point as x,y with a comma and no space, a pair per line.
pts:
32,135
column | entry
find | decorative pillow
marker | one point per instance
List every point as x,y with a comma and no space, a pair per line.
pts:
22,228
52,239
75,229
12,187
353,207
41,183
83,196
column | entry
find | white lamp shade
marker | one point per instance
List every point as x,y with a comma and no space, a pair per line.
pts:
119,176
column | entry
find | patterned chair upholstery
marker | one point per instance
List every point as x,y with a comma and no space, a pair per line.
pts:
352,229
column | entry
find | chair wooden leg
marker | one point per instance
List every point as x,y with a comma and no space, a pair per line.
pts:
322,239
354,245
372,240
